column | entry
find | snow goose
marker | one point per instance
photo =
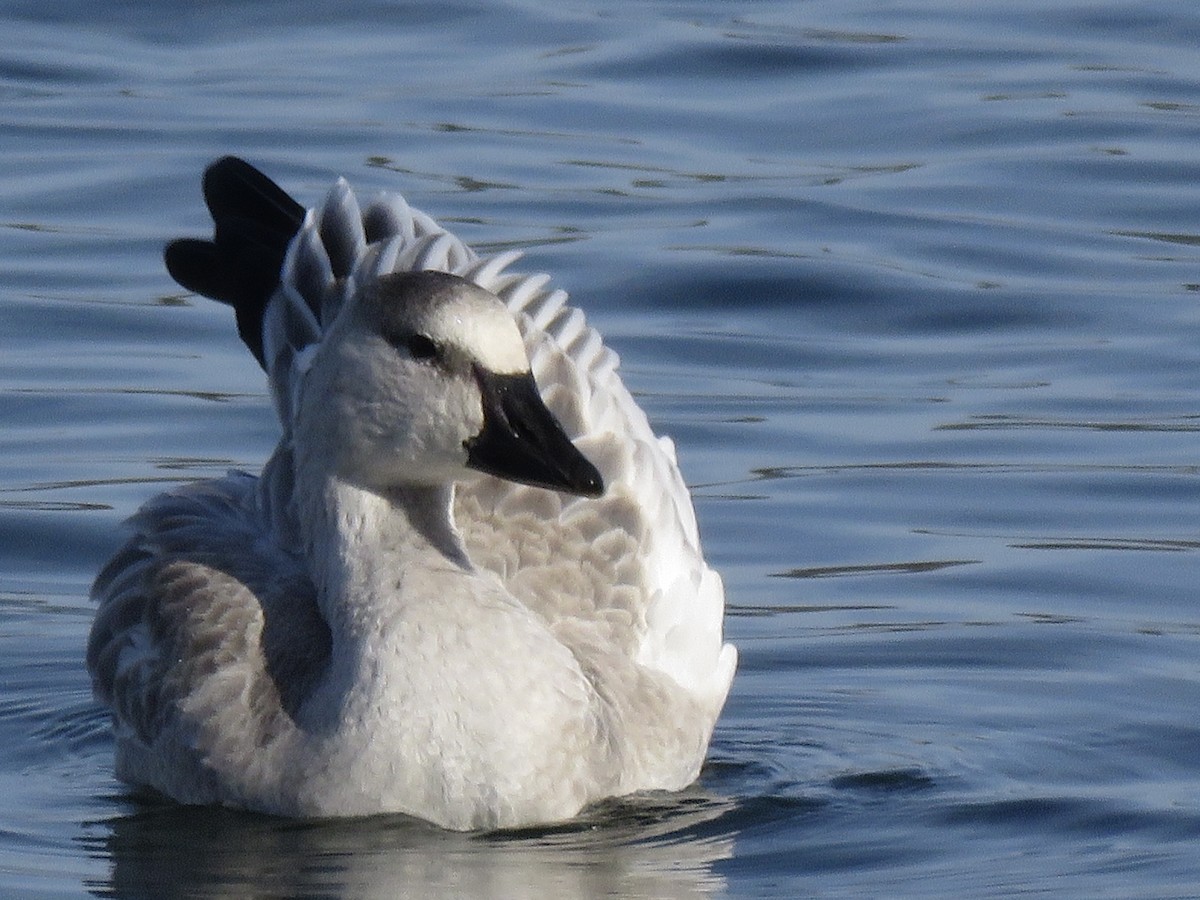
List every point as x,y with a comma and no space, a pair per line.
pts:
446,595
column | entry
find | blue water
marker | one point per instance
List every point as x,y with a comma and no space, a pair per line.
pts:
916,289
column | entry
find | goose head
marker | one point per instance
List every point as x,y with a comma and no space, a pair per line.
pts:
423,375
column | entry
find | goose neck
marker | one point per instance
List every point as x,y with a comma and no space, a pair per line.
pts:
370,549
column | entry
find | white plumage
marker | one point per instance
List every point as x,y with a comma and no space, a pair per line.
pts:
372,625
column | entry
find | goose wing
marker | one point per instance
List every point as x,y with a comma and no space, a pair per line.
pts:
627,565
626,570
205,631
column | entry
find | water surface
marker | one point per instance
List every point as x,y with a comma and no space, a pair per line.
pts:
913,286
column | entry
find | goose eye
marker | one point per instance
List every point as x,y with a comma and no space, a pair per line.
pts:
418,346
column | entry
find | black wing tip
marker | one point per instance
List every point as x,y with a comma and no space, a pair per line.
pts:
196,266
231,164
234,188
254,221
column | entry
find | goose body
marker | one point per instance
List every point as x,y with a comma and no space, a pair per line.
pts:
448,594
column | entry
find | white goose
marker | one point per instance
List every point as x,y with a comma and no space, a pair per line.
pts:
372,625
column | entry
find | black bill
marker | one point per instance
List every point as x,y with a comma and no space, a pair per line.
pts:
522,441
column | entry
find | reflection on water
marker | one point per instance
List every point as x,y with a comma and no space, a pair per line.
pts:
647,848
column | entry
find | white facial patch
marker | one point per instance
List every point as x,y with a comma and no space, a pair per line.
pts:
484,328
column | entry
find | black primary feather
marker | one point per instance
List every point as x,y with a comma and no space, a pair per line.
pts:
254,222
